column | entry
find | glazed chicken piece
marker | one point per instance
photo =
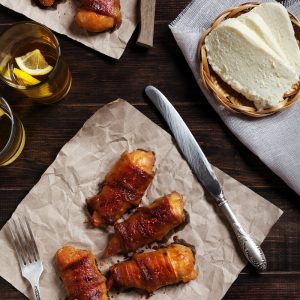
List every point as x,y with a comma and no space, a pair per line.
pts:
147,224
123,187
153,270
99,15
47,3
80,275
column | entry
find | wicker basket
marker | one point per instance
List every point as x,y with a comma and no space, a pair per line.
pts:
231,99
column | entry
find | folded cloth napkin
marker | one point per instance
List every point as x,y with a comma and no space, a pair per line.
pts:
274,139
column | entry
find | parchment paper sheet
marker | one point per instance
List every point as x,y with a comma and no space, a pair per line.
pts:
55,206
61,20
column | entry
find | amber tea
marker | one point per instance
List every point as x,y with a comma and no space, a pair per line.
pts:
12,135
30,61
5,128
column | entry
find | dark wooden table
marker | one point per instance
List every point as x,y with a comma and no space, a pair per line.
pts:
98,80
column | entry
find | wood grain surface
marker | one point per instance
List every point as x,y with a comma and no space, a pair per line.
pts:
98,80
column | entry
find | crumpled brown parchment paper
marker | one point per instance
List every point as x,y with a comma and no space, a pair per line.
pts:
56,206
61,20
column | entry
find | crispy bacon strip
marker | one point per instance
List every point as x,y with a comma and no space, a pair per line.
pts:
148,224
47,3
99,15
80,275
123,187
103,7
153,270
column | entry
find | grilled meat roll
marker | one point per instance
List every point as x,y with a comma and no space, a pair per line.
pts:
80,275
147,224
123,187
99,15
153,270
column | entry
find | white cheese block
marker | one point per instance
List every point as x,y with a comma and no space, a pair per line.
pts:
256,23
243,60
277,19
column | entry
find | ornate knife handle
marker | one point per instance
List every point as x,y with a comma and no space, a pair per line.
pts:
251,250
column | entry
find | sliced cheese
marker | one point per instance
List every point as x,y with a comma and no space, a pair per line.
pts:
276,17
256,23
243,60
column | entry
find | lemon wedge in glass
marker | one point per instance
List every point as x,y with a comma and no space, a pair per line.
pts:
2,112
34,63
26,78
6,74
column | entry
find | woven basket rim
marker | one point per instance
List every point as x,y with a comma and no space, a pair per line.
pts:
223,93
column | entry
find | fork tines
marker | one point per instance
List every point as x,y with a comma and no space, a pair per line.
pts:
23,241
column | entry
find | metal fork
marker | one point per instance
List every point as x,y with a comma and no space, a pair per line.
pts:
27,253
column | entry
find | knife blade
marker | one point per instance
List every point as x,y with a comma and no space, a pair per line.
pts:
202,169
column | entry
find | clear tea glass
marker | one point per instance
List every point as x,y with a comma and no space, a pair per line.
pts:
19,40
12,134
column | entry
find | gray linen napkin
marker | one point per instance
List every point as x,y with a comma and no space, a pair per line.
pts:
275,139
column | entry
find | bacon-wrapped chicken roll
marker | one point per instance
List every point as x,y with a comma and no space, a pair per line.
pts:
80,275
153,270
123,187
99,15
147,224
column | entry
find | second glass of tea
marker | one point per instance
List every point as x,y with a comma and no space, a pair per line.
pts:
31,62
12,134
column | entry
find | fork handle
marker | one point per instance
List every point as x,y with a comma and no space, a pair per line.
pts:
36,291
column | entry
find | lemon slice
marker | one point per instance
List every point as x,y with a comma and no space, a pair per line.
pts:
44,91
26,78
6,74
2,112
33,63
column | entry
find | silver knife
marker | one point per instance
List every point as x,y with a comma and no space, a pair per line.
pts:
205,174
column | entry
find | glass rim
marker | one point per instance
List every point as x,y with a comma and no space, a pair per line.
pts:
12,130
58,50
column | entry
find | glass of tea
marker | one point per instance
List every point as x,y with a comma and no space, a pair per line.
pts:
31,62
12,134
